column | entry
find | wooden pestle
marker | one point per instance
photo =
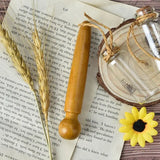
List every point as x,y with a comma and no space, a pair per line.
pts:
69,127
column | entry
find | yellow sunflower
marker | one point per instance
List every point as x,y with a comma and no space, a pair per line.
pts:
138,127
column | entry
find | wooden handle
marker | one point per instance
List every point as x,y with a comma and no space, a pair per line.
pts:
69,127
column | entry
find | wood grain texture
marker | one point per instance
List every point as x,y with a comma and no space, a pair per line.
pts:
151,151
69,127
3,7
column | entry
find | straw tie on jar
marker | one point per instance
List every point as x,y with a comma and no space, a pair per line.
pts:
143,15
111,49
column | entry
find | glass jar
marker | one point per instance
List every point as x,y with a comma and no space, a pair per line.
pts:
151,30
126,78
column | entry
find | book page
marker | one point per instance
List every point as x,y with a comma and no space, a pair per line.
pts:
116,8
21,134
100,138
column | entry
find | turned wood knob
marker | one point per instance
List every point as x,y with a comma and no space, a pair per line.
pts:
69,127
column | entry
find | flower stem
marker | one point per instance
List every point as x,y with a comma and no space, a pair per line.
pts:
49,142
44,126
42,122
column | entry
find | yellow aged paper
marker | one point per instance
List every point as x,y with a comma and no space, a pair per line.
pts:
21,134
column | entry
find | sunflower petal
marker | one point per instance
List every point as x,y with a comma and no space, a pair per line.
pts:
124,122
142,113
134,140
129,117
147,137
141,140
135,113
149,116
128,135
125,129
153,123
152,132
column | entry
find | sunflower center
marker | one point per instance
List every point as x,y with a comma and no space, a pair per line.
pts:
139,125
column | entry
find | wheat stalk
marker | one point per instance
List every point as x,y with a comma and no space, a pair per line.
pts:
41,68
43,80
16,57
20,65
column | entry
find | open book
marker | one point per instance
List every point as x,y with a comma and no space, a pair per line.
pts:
21,134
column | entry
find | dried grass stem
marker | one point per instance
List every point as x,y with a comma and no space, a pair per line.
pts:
16,57
43,82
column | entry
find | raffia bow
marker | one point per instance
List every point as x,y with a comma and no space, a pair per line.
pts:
109,47
139,20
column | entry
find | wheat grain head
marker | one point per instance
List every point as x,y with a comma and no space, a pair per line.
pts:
21,67
15,56
42,73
